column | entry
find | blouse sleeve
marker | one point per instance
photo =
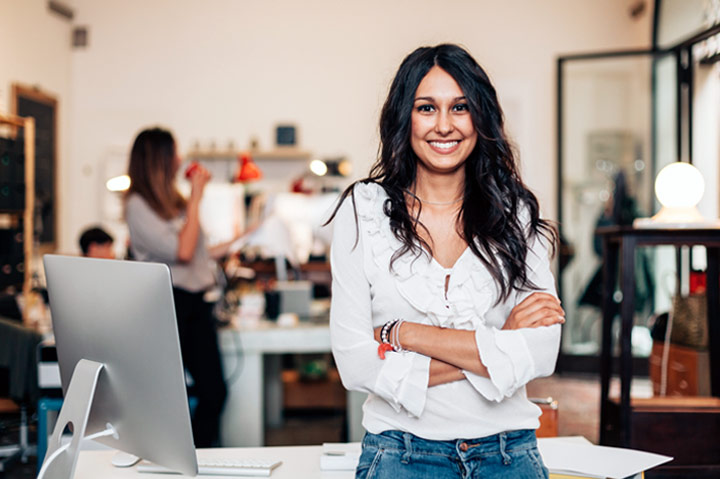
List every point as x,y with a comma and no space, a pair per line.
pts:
402,378
515,357
151,237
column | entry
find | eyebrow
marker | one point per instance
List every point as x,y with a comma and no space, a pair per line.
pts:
429,98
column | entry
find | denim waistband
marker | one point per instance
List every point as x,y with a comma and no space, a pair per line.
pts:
501,443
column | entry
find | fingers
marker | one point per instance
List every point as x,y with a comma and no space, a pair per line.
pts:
544,317
537,298
538,309
536,321
537,302
199,179
200,175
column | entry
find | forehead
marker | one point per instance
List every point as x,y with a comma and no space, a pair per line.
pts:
438,83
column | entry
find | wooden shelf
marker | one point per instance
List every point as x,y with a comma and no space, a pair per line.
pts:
277,154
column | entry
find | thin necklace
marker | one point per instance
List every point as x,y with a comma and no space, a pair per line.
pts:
434,203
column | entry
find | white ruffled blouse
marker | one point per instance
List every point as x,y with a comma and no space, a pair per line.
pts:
366,293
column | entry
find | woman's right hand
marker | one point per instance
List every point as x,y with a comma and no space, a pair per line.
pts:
538,309
199,178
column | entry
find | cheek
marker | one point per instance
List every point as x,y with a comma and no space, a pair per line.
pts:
416,126
417,133
467,127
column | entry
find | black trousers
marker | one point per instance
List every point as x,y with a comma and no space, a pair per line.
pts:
201,358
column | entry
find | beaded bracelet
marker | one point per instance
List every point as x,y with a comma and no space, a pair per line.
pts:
390,337
385,344
385,331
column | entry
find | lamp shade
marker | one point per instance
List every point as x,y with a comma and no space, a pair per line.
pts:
679,185
249,171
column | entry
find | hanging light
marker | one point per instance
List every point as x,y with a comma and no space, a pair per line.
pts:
248,171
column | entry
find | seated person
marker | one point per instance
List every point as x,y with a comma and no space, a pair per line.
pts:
97,243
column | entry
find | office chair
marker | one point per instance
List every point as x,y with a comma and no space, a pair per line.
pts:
18,385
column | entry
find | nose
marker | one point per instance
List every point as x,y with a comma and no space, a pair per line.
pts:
444,125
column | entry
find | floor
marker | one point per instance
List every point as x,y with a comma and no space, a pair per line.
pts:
577,396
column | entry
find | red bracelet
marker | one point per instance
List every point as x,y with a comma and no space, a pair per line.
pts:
383,348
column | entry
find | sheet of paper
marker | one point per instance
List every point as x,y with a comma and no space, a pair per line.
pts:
572,439
329,447
596,461
340,456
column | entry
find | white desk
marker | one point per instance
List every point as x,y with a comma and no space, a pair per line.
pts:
298,462
255,394
560,453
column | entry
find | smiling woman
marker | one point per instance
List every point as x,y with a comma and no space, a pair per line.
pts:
443,135
443,303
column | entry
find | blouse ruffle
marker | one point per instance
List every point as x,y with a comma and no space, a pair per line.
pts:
420,280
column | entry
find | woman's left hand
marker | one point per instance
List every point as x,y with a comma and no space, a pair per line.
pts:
538,309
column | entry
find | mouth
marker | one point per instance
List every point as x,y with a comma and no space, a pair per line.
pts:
444,146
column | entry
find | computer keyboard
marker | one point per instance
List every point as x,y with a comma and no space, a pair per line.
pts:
221,467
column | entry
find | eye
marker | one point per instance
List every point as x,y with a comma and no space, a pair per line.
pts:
425,108
461,107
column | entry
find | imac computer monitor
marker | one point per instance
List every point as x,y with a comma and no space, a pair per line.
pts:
121,314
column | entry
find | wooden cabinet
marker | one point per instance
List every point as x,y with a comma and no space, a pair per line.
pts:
688,370
678,430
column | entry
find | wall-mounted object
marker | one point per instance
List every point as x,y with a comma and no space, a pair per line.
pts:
80,37
285,135
118,183
32,102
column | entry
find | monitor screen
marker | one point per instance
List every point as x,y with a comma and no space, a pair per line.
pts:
121,314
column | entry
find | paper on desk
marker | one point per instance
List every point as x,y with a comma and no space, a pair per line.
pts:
570,457
340,456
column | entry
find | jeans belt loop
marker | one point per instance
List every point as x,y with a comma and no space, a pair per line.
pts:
408,448
506,458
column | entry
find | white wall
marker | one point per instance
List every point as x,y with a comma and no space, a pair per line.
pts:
35,51
229,70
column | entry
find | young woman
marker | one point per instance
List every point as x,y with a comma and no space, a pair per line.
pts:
165,228
443,303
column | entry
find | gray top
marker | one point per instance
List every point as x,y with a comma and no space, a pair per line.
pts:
155,239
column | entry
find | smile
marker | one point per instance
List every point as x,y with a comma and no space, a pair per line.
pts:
444,145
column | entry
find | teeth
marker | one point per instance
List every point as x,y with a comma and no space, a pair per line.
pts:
443,144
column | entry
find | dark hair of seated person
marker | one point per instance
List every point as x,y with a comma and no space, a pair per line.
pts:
93,235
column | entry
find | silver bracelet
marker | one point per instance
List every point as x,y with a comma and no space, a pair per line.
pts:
397,347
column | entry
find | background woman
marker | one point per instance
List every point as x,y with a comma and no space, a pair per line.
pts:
443,303
165,228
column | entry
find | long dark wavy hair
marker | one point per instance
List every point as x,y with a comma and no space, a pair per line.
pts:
489,220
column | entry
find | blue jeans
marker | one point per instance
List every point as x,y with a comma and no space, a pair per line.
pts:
401,455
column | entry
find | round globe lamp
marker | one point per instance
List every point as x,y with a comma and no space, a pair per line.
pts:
679,187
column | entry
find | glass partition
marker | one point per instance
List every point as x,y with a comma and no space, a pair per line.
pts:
606,178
